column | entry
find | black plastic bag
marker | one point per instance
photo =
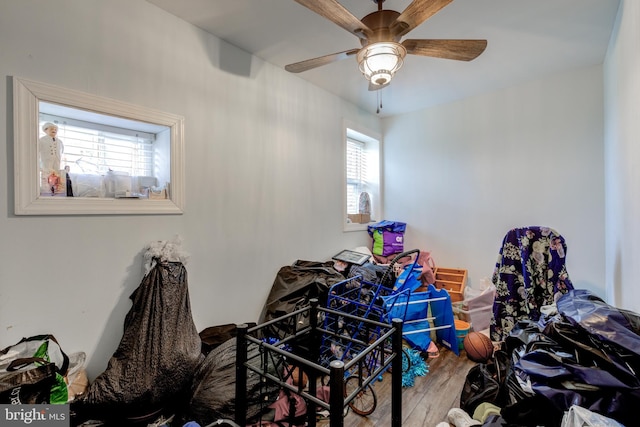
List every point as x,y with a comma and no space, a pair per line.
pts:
611,331
214,384
157,356
588,355
213,336
292,289
485,382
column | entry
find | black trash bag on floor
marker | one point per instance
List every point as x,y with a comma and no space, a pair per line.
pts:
292,289
613,332
213,336
214,385
485,382
157,356
588,356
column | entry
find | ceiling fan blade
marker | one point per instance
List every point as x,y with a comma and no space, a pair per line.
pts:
336,13
461,50
415,14
308,64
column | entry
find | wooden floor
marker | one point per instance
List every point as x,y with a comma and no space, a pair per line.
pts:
426,403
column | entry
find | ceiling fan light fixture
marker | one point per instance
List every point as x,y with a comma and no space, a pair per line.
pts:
379,61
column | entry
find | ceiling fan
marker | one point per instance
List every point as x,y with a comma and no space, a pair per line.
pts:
382,53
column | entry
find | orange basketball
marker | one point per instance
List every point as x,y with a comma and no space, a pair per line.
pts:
478,346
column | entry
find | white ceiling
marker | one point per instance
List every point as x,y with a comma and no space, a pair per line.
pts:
526,40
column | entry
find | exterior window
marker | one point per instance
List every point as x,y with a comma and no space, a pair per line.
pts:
356,168
362,179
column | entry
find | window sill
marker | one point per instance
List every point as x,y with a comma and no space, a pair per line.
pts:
351,226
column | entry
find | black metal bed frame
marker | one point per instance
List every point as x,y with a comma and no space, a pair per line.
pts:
312,331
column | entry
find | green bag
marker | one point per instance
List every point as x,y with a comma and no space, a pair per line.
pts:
34,352
27,382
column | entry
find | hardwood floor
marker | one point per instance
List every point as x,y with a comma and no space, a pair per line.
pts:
426,403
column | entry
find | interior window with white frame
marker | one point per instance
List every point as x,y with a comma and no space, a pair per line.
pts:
363,196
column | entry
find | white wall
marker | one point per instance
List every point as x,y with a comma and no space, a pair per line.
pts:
263,172
622,154
461,175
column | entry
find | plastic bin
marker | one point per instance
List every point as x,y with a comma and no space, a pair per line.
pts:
479,318
477,310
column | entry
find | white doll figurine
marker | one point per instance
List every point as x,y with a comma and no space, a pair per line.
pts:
50,150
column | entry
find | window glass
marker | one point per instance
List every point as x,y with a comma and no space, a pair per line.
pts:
363,199
356,170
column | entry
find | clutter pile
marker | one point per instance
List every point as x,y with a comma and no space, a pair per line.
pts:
581,358
193,375
365,283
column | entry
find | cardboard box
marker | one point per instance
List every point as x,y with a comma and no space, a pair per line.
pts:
453,280
360,218
158,195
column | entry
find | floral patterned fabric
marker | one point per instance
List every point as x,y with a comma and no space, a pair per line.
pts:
530,273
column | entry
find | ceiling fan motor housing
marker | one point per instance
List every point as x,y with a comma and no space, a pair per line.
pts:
380,24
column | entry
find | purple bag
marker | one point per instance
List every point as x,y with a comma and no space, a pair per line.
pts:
388,237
